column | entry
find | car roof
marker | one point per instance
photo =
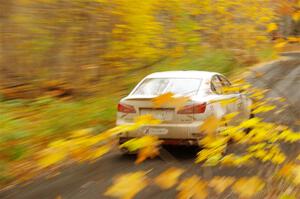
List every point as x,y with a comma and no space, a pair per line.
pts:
183,74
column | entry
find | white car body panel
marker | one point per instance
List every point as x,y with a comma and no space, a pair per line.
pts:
182,126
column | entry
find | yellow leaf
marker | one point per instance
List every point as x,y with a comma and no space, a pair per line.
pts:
168,178
220,183
291,171
228,160
234,160
204,154
286,170
218,142
179,102
213,160
168,99
225,102
147,152
256,147
51,157
231,89
140,121
296,16
230,116
147,146
146,120
138,143
80,133
288,136
162,99
263,109
242,160
293,39
213,151
278,158
210,125
280,44
239,136
99,152
260,153
248,187
128,185
258,94
271,27
296,174
250,122
287,196
192,187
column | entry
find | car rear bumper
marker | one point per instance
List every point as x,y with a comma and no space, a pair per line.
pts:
189,131
180,142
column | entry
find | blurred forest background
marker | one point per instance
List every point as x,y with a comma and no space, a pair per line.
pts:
64,64
89,44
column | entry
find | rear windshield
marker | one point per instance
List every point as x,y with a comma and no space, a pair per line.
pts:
178,86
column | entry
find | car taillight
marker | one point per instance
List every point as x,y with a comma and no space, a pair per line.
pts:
193,109
123,108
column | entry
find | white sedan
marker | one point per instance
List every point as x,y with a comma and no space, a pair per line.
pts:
180,126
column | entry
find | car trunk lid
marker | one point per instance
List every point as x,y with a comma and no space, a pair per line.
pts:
165,113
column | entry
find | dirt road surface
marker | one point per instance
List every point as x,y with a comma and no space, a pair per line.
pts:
89,181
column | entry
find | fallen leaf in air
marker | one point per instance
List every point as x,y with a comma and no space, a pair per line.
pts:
168,99
179,102
147,147
51,157
287,196
80,133
138,143
146,120
286,170
147,152
281,44
263,109
293,39
230,116
248,187
210,125
226,102
296,16
162,99
128,185
100,151
221,183
271,27
168,178
250,123
296,174
192,187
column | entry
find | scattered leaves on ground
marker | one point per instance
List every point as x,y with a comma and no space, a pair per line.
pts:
168,178
192,187
248,187
128,185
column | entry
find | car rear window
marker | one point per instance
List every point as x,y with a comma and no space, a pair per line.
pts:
178,86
